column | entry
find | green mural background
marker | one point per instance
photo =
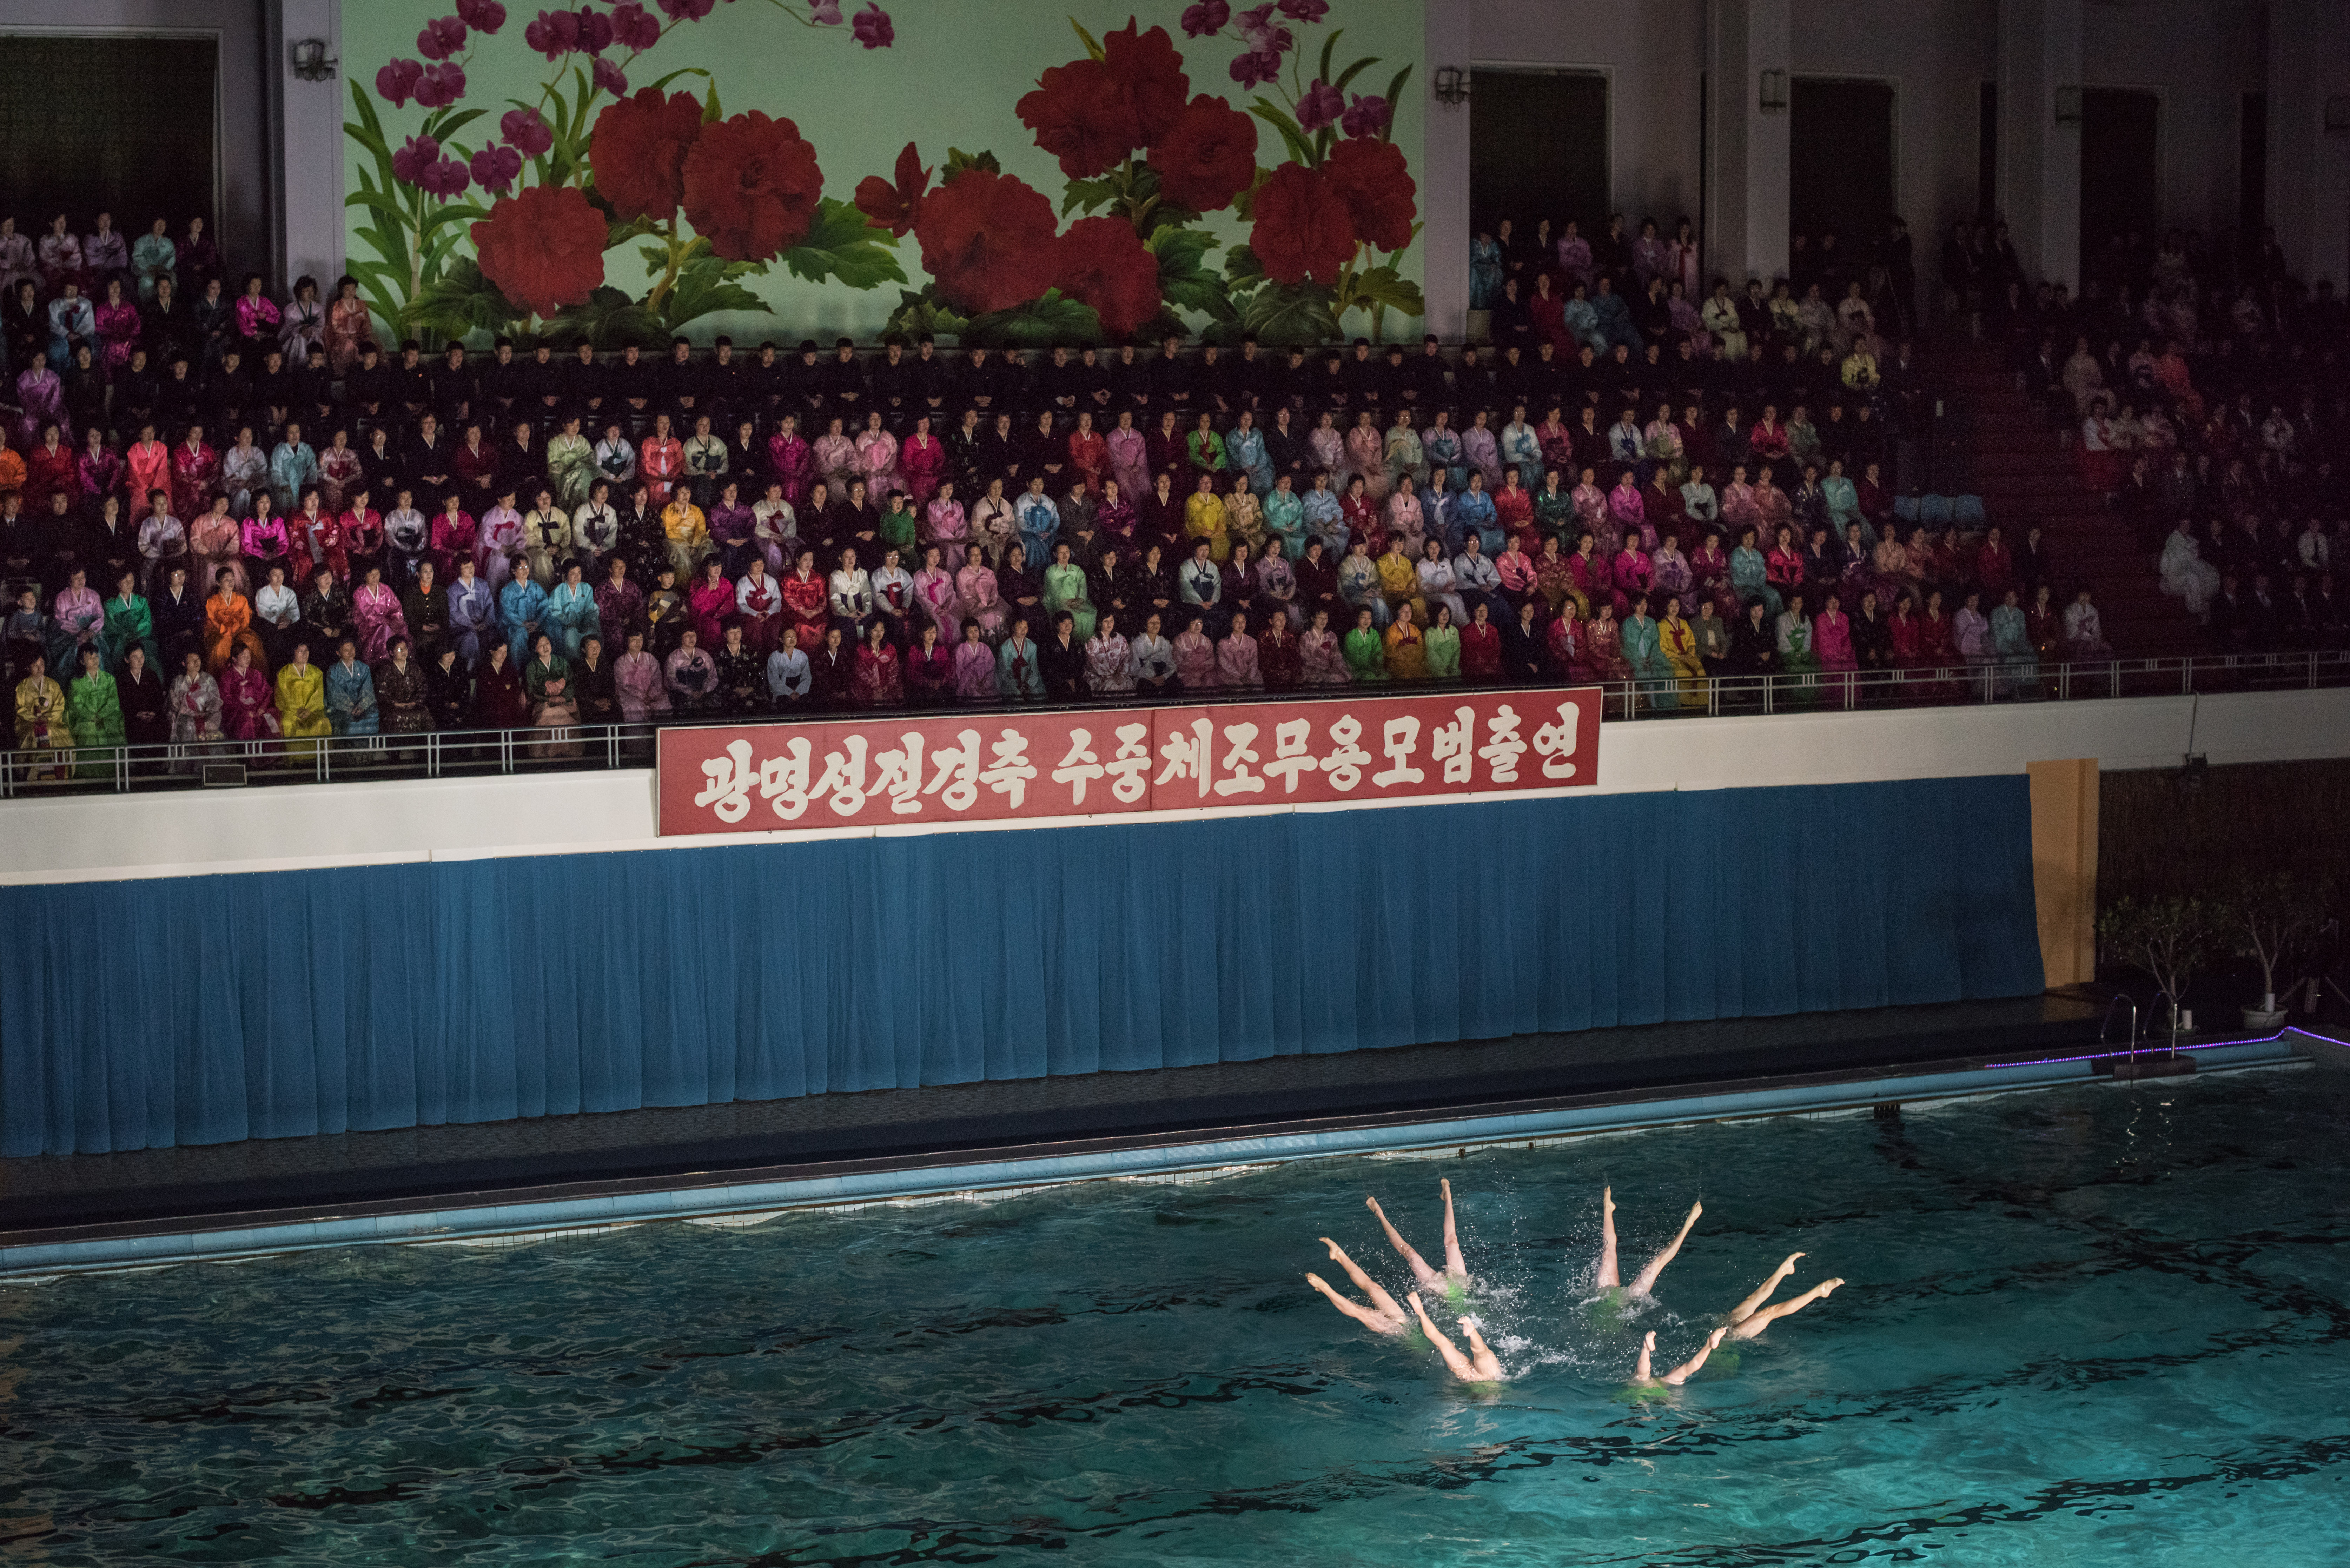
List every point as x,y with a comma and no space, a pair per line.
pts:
487,152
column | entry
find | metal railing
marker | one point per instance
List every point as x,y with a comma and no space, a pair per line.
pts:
435,753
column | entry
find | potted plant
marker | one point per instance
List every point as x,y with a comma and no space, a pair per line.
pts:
2169,940
2277,918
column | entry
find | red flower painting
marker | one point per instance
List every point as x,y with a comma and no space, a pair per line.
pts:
639,150
987,241
751,186
543,247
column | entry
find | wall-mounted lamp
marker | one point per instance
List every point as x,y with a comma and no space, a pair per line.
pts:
310,61
2337,115
1452,86
1774,92
2068,104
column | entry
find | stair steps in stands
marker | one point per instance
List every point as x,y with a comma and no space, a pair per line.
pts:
2025,475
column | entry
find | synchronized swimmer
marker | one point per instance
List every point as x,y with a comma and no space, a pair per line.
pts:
1746,1320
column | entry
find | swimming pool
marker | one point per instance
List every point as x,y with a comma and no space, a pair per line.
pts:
2092,1325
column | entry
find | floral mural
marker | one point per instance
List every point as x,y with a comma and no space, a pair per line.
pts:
621,202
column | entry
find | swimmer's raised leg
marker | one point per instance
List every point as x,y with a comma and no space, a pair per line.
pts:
1456,1270
1489,1367
1429,1278
1647,1279
1463,1367
1745,1309
1380,1301
1759,1321
1641,1377
1377,1321
1607,1278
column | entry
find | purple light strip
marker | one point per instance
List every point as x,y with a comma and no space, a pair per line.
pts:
2206,1045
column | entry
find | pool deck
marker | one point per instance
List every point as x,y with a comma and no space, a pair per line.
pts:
514,1183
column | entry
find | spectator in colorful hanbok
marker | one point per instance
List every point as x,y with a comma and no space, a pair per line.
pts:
350,693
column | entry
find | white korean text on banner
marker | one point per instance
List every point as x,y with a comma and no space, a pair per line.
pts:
996,765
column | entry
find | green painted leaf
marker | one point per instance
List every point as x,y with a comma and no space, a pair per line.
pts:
378,202
635,228
1328,45
1274,116
448,123
1395,97
1384,285
459,302
1241,267
1283,313
1086,195
1184,282
917,312
609,319
958,160
1351,72
711,113
703,287
1092,47
1039,324
1244,204
843,247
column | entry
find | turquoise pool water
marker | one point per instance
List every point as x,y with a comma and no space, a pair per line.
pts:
2088,1326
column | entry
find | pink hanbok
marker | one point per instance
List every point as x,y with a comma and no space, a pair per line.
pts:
377,618
934,590
789,459
921,467
1129,460
974,673
947,525
877,462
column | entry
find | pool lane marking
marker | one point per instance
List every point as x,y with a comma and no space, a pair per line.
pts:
518,1223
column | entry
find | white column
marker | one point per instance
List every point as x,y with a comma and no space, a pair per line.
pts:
1443,172
308,152
2309,170
2039,160
1747,186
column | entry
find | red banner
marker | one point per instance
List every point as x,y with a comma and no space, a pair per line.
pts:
988,766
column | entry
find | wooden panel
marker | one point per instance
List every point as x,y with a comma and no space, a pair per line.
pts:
2064,813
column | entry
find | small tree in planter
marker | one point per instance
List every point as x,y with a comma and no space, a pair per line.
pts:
2169,939
2278,919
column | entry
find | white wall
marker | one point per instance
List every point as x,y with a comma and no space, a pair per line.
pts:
308,116
290,827
244,224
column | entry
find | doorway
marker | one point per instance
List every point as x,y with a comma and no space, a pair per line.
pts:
1840,161
1537,148
136,131
2121,183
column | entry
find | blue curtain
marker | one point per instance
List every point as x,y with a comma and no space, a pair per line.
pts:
202,1010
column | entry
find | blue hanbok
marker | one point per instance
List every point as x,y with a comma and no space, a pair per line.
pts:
1244,451
473,618
293,468
1644,651
1472,510
1325,520
351,699
522,607
1040,523
571,617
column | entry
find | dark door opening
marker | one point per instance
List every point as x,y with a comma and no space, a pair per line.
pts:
127,121
2121,186
1840,161
2252,172
1538,149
